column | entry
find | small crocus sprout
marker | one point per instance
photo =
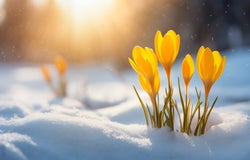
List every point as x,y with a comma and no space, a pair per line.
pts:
187,69
61,65
45,73
145,64
210,65
59,89
167,49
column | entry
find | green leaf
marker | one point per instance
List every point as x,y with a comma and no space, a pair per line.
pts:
143,106
181,97
176,108
210,110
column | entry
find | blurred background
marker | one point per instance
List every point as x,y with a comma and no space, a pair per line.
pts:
107,30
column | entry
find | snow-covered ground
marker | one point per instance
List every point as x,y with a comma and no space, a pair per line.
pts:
102,118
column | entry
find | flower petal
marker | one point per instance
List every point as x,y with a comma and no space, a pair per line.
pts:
61,65
157,44
167,49
134,66
217,59
145,84
177,47
151,56
176,43
207,64
187,68
136,53
198,61
156,82
220,69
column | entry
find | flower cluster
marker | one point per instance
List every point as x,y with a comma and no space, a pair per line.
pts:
61,67
210,65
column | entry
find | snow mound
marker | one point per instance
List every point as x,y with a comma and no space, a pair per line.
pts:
99,95
8,149
10,109
73,133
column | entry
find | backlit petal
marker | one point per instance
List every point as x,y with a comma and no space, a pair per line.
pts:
156,82
157,44
187,68
220,69
140,61
172,34
167,49
145,84
217,59
191,64
151,56
133,65
136,53
176,43
198,60
207,64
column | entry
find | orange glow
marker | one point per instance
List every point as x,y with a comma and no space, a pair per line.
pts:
83,30
39,3
85,9
84,16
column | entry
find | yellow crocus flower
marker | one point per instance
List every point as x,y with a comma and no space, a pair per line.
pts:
167,49
61,65
187,69
151,87
45,73
210,65
145,64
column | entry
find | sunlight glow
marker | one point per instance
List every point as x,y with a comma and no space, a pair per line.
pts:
85,9
85,29
39,3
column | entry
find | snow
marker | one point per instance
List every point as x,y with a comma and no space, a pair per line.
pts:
102,119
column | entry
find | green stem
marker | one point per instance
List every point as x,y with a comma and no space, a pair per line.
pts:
186,92
171,105
186,111
154,110
203,126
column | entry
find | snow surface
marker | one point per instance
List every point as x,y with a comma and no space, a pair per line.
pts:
102,119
